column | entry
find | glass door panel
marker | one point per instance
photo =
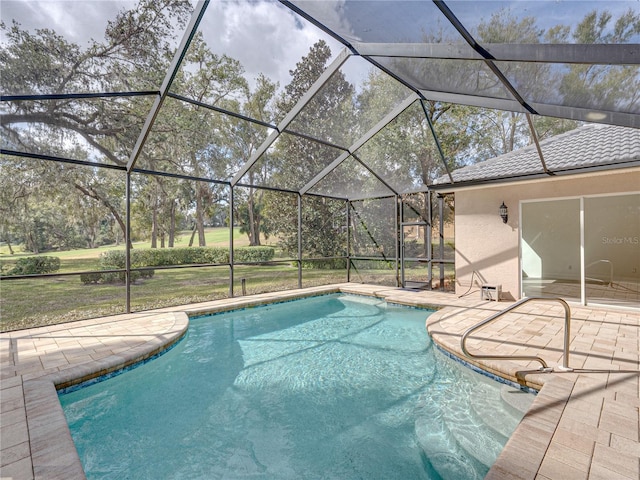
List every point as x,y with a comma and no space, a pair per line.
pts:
612,249
550,249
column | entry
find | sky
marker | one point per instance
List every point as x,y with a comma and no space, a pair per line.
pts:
265,37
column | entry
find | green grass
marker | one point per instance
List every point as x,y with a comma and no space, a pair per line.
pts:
44,301
87,258
214,237
34,302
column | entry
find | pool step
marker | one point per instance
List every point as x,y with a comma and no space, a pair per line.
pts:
501,417
475,431
442,450
517,401
481,442
464,422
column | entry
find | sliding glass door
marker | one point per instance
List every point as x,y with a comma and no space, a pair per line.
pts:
582,249
612,249
550,249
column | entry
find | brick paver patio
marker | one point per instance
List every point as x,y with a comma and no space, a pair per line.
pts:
582,425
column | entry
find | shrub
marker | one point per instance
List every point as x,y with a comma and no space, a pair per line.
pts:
88,278
329,264
116,260
253,254
35,265
373,264
156,257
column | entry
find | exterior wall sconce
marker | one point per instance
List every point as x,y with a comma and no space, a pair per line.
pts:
504,213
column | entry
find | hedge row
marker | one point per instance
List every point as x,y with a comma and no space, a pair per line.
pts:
115,260
156,257
35,266
329,264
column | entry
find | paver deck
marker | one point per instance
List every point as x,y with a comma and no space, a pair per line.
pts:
582,425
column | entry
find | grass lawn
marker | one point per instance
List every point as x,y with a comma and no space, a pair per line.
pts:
87,258
45,301
215,237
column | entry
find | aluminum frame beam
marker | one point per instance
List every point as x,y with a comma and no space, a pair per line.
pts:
560,111
589,115
181,51
587,54
435,139
534,137
488,59
302,102
67,96
473,100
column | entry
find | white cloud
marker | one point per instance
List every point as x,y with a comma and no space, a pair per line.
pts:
77,21
265,37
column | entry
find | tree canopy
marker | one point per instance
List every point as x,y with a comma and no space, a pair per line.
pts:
215,120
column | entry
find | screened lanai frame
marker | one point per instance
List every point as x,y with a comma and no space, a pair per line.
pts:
391,56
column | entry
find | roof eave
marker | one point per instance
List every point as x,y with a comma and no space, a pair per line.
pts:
534,176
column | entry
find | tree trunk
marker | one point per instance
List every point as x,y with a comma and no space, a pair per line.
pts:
193,234
200,217
32,244
154,218
253,229
172,224
154,227
96,196
8,242
513,122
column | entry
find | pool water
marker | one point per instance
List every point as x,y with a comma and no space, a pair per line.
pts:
331,387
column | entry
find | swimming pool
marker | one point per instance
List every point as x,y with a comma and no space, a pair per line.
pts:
332,387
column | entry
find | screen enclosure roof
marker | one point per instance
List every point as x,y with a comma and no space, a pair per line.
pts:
359,127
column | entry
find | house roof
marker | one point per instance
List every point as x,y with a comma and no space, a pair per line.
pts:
586,148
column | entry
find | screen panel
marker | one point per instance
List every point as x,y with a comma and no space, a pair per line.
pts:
80,47
192,140
224,68
102,130
373,228
290,163
404,153
179,286
614,88
353,100
547,21
324,227
381,21
351,179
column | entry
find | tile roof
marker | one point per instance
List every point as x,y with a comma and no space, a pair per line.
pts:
587,147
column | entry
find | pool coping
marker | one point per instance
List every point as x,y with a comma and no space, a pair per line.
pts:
36,423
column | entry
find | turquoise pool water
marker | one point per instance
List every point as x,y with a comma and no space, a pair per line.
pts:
330,387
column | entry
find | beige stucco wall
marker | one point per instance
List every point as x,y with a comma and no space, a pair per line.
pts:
490,248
